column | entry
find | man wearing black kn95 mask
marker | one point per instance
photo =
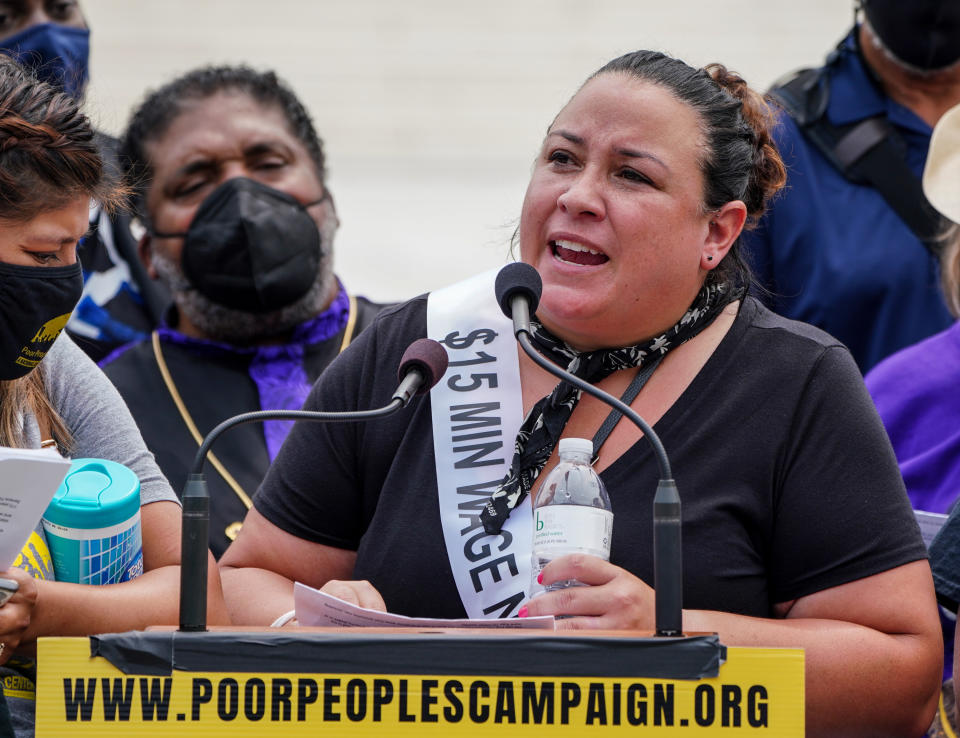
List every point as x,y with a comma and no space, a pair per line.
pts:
238,224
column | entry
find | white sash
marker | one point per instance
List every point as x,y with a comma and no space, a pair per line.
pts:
477,411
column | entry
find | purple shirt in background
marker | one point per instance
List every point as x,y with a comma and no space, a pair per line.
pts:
916,393
277,370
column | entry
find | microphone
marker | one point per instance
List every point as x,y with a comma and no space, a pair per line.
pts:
421,367
518,288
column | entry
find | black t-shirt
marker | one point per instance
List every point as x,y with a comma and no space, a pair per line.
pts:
788,481
214,385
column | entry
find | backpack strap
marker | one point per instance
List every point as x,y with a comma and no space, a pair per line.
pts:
868,152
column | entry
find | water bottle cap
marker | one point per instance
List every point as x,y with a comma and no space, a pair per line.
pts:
576,445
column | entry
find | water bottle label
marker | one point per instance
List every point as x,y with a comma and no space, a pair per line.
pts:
564,529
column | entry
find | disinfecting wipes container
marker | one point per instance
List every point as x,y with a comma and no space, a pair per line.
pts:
93,524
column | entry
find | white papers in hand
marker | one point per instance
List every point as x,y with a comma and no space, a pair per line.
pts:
316,608
29,479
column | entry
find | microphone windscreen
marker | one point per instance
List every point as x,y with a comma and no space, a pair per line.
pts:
429,357
518,279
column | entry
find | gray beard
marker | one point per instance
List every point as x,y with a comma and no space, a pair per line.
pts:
220,323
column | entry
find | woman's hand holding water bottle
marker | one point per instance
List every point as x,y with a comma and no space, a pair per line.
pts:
614,600
572,534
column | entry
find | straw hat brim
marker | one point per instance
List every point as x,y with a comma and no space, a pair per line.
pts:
941,175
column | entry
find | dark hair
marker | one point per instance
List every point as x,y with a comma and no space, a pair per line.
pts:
741,161
48,156
161,107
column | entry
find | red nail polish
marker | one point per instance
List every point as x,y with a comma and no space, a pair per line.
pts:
540,578
522,612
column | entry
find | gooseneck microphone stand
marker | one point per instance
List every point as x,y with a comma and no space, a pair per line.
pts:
518,288
422,365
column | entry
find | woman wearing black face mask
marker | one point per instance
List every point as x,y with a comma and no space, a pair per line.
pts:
50,393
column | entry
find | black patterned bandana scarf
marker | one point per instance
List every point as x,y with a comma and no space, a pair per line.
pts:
543,426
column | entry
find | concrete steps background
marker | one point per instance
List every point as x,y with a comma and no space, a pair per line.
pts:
432,111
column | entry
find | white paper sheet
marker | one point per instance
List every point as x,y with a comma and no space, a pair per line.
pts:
316,608
28,479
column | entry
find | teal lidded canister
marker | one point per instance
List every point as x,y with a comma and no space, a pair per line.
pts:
93,524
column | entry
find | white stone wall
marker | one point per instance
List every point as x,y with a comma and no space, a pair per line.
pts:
432,110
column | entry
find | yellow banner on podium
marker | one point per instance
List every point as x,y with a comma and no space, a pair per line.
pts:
757,692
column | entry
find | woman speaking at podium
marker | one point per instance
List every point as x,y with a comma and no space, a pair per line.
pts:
52,394
796,528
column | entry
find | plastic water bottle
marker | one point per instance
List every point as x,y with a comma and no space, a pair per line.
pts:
571,511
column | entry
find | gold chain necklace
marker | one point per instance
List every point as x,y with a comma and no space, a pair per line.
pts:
233,529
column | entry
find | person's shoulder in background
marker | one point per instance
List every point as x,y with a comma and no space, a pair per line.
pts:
120,303
367,311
